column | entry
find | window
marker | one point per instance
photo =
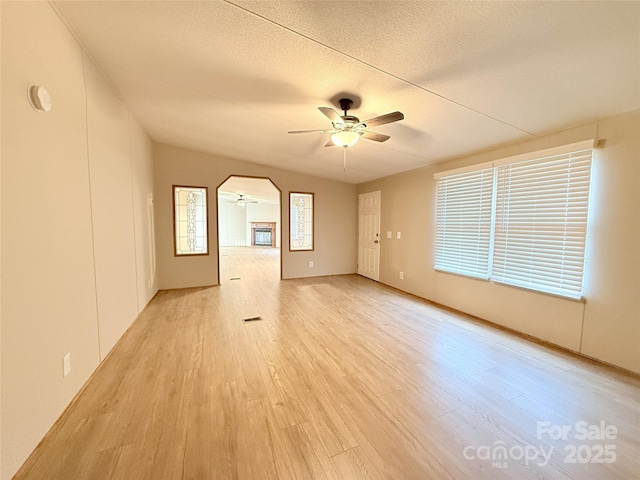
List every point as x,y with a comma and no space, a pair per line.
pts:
300,221
463,226
190,220
520,221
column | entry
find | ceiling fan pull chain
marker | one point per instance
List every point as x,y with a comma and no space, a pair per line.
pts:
344,159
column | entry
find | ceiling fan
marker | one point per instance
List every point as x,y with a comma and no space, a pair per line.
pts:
347,129
241,200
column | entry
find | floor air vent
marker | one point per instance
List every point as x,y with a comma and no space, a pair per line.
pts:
251,319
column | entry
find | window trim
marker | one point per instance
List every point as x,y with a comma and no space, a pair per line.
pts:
497,166
313,222
547,152
175,229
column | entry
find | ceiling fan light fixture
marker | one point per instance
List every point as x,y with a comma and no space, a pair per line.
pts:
346,138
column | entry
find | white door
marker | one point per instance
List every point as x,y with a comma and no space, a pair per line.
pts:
369,235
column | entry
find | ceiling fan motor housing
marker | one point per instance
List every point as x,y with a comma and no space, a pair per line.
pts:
349,121
345,104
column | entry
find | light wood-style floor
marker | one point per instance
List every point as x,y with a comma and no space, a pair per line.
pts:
342,378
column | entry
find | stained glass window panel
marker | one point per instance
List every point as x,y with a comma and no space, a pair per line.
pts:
300,221
190,212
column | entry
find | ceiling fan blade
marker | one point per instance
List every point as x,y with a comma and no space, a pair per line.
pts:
382,119
309,131
330,144
376,137
331,114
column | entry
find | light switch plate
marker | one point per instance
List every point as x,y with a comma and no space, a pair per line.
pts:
66,364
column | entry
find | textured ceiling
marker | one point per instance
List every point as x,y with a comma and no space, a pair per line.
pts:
231,78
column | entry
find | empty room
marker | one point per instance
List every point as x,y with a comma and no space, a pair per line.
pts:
319,240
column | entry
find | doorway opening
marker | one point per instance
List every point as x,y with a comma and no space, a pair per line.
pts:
249,229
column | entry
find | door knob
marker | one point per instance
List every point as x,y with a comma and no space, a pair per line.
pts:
376,241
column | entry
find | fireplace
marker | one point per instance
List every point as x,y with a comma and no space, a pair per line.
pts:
262,237
263,234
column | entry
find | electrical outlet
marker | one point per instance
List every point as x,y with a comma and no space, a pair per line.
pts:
66,364
310,263
401,275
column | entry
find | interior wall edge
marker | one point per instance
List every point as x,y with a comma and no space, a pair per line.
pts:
1,267
133,209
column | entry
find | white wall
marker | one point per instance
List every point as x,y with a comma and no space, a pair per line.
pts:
335,217
607,326
232,224
75,267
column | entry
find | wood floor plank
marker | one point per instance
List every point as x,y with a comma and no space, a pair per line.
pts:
342,378
353,463
265,453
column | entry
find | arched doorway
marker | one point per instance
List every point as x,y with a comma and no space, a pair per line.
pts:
249,227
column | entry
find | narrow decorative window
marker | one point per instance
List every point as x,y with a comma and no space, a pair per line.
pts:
300,221
190,219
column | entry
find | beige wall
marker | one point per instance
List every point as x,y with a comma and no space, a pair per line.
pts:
143,213
111,208
335,217
612,313
607,326
70,183
1,259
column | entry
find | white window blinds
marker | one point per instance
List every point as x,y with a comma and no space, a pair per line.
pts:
541,223
520,221
463,225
